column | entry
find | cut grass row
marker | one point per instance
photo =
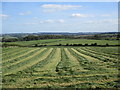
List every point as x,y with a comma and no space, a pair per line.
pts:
92,59
73,60
52,62
102,54
50,84
20,58
97,56
29,61
62,79
15,55
106,50
102,57
59,67
12,50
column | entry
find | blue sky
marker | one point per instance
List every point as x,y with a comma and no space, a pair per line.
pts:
29,17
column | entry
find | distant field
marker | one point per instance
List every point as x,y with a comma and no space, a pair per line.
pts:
80,67
64,42
29,43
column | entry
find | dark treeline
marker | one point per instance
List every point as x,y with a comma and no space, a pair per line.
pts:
34,37
86,44
93,44
41,37
44,45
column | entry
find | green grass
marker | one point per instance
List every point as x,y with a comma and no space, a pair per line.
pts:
84,41
64,42
60,67
30,43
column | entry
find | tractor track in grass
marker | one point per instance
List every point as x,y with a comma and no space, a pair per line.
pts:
98,73
12,51
5,49
23,81
92,55
94,60
100,50
86,56
16,62
70,76
32,62
51,66
99,54
71,83
15,57
100,58
73,59
13,54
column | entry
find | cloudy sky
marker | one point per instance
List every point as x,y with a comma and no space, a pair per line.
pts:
29,17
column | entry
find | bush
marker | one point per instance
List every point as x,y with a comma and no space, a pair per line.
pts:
36,45
86,44
107,44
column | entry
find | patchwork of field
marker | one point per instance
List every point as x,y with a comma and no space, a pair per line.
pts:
74,67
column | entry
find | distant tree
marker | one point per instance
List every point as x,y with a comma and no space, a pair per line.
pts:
92,44
95,44
9,39
70,45
107,44
74,44
59,44
86,44
96,37
67,44
79,44
36,45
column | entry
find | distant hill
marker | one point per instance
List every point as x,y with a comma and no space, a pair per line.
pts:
11,37
19,35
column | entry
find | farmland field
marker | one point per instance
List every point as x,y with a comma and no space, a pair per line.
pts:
59,67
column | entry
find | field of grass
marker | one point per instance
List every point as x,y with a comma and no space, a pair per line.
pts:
64,42
59,67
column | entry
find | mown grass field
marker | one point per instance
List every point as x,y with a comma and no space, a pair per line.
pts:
59,67
64,42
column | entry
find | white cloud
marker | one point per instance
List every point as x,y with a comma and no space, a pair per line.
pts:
30,23
78,15
104,21
35,18
81,15
105,15
52,21
60,21
47,21
62,7
4,15
48,8
25,13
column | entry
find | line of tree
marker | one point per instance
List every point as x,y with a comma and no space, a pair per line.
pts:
41,37
38,45
93,44
34,37
86,44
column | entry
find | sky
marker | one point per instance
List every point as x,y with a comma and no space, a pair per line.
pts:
34,17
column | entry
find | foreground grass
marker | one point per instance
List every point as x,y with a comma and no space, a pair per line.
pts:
72,67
